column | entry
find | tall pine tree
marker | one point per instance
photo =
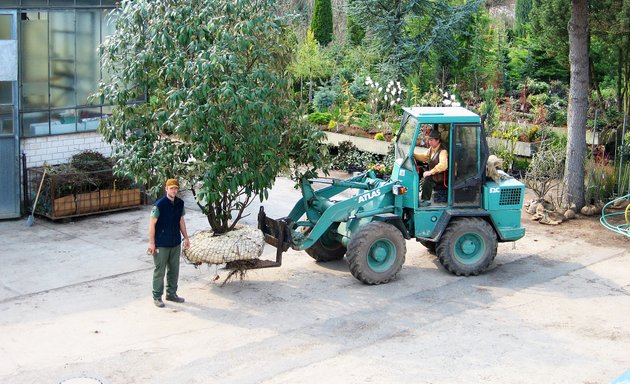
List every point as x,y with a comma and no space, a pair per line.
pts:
523,8
322,22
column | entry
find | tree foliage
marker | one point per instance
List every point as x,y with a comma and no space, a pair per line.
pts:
310,62
521,14
403,32
549,19
322,22
219,115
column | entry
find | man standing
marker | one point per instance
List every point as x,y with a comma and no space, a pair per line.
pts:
437,164
166,228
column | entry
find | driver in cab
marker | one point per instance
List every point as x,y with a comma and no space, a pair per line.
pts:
437,163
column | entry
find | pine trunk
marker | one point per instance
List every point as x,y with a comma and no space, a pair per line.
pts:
578,103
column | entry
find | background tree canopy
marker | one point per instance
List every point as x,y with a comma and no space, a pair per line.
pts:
219,114
223,79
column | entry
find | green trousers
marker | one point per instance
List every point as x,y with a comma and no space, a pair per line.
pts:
166,261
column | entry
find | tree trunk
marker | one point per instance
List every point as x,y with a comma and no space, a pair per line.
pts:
578,103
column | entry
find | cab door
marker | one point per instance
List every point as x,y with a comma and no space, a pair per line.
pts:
469,154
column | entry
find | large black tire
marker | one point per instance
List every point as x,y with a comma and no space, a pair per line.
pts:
429,245
376,253
326,248
468,246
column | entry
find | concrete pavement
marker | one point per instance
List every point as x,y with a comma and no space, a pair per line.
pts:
75,300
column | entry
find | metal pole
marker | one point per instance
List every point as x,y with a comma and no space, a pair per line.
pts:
594,130
25,190
623,139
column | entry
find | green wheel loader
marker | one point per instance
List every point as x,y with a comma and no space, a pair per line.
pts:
462,224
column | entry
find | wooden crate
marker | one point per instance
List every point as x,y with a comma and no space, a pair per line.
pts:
64,206
88,202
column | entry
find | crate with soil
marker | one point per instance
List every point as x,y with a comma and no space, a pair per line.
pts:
84,186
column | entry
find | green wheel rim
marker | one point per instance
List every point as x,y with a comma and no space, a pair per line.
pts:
469,248
381,255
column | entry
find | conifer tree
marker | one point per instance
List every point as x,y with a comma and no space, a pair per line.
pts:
322,22
523,8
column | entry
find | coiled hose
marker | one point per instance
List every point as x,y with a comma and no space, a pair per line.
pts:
623,228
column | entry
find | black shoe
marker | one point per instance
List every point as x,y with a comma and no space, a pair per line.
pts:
158,303
175,298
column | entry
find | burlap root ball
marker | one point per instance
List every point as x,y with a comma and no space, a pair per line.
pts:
243,243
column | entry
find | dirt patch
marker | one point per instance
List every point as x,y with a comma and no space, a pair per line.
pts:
587,228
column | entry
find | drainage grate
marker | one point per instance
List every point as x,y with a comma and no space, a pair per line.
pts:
82,380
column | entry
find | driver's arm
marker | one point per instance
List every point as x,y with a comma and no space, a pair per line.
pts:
421,154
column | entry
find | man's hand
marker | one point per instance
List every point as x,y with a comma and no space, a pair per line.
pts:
186,243
151,249
426,174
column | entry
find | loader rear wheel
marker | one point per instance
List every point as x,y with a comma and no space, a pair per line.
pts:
376,253
326,248
467,247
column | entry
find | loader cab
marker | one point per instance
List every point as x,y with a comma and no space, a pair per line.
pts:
462,135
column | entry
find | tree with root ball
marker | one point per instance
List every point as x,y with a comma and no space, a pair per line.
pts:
201,92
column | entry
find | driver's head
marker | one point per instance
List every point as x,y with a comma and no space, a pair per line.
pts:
434,138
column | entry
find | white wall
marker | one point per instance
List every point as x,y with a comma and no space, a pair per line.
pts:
59,149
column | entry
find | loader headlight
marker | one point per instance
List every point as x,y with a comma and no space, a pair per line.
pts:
399,190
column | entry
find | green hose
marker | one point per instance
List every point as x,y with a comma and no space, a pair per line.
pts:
622,229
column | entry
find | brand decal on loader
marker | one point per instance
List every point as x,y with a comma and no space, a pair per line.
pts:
495,190
370,195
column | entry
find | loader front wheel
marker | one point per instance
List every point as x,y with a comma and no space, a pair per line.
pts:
376,253
467,247
326,248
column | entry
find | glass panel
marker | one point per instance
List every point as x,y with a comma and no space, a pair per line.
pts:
88,2
465,153
405,137
88,65
34,50
107,110
108,20
466,167
61,2
89,119
6,123
6,26
109,2
34,2
8,3
62,59
35,124
63,121
6,92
